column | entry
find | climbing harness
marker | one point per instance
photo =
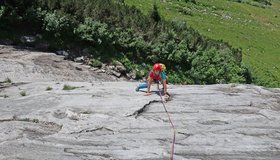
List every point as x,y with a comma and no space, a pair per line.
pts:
173,128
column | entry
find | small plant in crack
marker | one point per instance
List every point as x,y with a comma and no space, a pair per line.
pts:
26,120
4,96
14,117
8,80
68,87
86,112
35,120
49,88
23,93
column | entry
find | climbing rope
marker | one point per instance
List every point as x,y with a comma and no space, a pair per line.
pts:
173,128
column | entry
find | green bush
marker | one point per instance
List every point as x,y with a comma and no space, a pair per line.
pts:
58,23
265,2
192,1
260,3
95,63
93,31
216,66
114,30
2,10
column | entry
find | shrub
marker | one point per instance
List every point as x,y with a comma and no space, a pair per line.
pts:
114,30
58,23
215,66
95,63
2,10
93,31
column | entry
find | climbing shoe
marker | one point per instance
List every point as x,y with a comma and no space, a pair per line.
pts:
137,89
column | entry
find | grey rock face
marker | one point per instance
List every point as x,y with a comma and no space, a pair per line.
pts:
79,59
131,74
109,120
24,65
120,67
62,53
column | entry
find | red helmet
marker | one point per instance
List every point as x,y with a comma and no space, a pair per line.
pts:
157,67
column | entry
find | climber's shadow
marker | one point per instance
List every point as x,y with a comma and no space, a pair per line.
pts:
155,92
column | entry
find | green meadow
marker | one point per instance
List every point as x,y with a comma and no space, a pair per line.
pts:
251,26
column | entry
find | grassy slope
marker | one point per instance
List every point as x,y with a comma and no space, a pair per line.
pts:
254,29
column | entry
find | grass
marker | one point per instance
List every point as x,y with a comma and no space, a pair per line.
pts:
253,29
68,87
49,88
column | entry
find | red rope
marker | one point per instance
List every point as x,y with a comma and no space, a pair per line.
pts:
173,141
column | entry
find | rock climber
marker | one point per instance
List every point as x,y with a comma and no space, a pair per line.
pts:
156,75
